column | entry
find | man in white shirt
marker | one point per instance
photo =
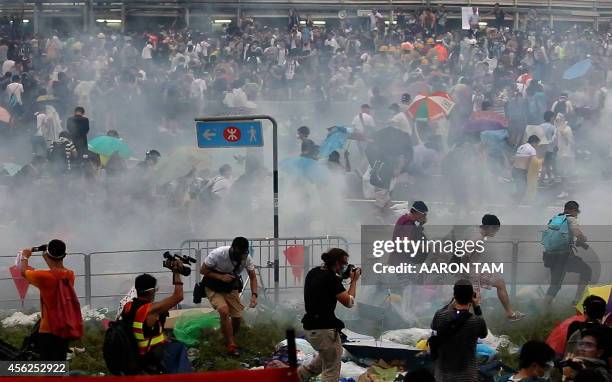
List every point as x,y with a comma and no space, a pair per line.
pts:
522,160
549,169
14,90
400,120
222,184
364,122
8,66
474,20
221,269
146,52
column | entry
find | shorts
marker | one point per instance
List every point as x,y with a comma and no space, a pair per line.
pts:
232,300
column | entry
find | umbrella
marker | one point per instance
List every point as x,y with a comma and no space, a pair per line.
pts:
5,116
578,70
557,339
20,283
335,140
307,168
175,166
295,258
430,107
106,146
485,120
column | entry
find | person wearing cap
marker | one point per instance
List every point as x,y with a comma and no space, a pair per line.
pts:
148,318
567,261
563,106
151,159
48,346
457,328
223,286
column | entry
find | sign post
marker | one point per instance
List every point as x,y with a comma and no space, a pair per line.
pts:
244,131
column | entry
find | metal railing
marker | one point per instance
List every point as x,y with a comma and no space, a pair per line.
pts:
109,275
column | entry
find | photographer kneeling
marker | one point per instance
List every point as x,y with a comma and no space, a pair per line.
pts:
223,285
148,319
322,289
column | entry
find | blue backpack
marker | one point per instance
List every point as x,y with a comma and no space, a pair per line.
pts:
557,236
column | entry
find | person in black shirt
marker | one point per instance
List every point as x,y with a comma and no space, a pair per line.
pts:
78,127
309,149
322,290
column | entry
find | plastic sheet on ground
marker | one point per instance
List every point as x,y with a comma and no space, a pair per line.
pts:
189,326
300,344
406,336
351,370
20,319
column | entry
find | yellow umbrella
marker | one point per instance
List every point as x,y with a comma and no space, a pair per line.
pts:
603,291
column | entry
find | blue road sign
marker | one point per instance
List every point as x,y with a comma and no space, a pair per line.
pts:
229,134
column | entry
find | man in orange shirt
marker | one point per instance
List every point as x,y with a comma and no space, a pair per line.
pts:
48,346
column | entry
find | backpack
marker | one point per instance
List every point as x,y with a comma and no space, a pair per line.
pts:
120,350
65,319
57,157
12,101
557,237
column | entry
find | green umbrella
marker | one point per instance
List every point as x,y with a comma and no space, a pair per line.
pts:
106,146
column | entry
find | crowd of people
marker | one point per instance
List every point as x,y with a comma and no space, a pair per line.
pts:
153,84
62,90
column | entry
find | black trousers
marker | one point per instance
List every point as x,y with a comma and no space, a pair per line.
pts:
50,347
562,263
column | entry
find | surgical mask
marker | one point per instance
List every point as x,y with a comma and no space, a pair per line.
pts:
343,269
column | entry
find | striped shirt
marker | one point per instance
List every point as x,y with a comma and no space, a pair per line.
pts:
70,150
456,360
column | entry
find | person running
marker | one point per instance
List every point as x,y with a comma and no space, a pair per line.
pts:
490,225
525,154
561,261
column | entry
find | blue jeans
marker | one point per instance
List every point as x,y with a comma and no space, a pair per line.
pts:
175,358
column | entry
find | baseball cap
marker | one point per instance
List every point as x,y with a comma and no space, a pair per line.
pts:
420,207
56,249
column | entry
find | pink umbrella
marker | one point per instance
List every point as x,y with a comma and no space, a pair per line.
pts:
20,283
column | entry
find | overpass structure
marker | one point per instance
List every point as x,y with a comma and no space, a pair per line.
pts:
120,13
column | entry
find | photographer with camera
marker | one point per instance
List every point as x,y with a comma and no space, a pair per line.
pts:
223,284
322,290
60,319
157,353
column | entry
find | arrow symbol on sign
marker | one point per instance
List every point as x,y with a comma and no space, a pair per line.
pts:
209,134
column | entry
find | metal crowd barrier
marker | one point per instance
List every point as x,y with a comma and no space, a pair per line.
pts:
108,276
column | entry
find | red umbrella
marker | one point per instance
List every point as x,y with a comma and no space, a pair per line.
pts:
558,337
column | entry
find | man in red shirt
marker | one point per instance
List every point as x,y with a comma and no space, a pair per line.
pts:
49,347
410,226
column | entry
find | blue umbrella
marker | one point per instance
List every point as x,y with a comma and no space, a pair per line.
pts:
335,140
578,70
305,168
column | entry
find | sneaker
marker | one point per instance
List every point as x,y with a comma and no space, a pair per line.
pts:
516,316
232,351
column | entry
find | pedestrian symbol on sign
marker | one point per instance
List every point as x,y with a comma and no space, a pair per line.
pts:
231,134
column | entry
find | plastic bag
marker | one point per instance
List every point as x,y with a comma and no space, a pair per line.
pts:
189,326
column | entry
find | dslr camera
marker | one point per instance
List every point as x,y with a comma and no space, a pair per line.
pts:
349,269
186,260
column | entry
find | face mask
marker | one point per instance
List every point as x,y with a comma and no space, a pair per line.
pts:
343,269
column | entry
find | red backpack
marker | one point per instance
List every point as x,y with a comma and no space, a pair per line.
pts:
65,319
